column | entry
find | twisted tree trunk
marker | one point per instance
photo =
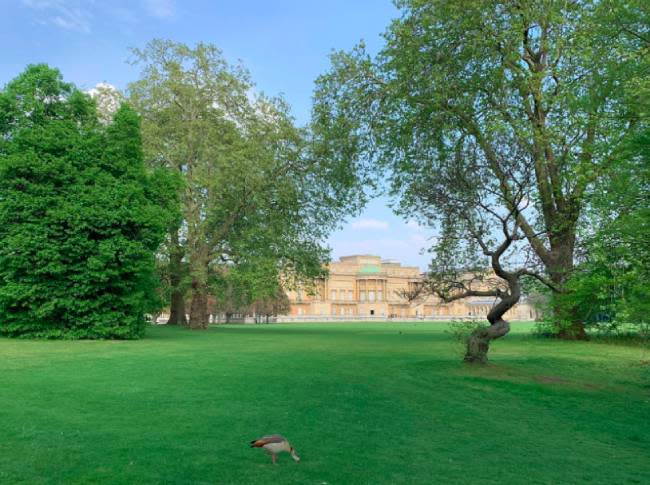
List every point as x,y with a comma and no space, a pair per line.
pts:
478,343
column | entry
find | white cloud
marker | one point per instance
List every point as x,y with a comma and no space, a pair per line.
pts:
369,223
79,15
160,8
66,14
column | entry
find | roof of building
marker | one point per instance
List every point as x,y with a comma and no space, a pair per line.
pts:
370,269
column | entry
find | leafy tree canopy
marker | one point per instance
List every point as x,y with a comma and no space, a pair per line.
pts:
80,217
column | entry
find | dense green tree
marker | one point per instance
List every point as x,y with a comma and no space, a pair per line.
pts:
611,284
251,188
80,218
495,119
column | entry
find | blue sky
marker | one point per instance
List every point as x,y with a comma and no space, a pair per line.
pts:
284,43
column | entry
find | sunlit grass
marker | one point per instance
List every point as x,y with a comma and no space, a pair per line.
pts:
362,403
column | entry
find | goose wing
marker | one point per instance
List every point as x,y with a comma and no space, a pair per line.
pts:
265,440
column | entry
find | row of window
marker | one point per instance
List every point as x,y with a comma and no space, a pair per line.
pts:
350,312
363,295
343,294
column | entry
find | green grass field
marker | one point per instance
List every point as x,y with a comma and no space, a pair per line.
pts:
362,403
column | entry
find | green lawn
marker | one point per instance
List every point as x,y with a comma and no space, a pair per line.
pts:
362,403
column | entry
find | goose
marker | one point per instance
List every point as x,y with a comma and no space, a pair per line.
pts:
275,444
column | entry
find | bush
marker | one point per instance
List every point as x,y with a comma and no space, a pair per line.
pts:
462,329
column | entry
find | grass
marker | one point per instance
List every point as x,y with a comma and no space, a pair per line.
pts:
362,403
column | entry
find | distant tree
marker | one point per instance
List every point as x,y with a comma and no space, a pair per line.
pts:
494,120
251,189
251,288
272,306
80,218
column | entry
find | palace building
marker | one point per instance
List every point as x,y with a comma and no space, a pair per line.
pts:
366,287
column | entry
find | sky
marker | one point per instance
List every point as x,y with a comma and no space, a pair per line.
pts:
283,43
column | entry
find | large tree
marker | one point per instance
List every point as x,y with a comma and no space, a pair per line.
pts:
80,217
251,188
493,120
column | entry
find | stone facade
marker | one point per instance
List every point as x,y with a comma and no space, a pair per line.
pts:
366,288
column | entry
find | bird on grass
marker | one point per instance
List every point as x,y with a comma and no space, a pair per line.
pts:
275,444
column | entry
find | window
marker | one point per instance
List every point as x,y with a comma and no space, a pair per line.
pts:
350,295
333,295
380,295
372,312
362,296
371,296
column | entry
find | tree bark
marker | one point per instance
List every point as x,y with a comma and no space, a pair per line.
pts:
478,343
199,303
177,305
199,307
177,315
565,319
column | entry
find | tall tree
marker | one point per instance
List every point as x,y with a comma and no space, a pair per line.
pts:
494,119
251,189
80,218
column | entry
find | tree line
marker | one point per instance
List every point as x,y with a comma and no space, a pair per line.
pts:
190,185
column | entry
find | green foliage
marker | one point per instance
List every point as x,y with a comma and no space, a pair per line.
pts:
238,288
611,286
250,289
79,218
462,330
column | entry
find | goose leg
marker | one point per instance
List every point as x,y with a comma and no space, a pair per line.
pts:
274,457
